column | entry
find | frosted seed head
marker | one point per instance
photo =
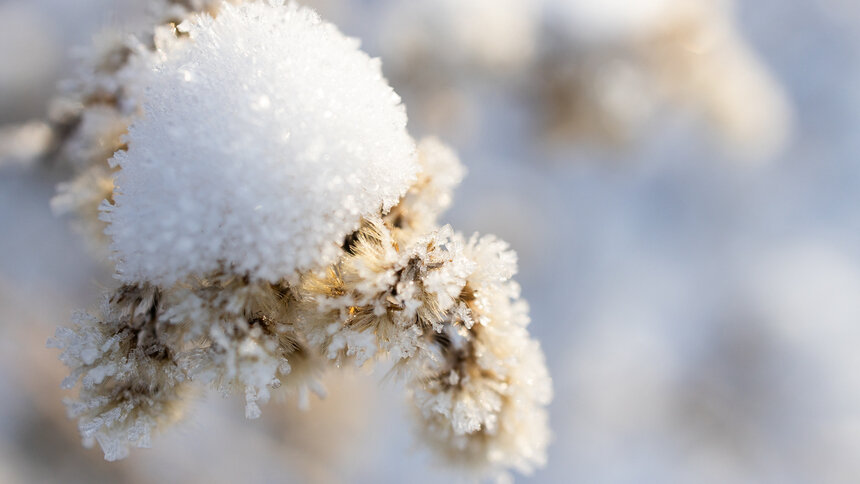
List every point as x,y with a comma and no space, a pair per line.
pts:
264,139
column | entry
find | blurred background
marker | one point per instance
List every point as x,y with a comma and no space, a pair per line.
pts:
679,178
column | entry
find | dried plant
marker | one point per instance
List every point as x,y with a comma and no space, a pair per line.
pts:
270,217
610,66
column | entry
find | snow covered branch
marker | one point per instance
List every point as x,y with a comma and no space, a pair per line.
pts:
270,217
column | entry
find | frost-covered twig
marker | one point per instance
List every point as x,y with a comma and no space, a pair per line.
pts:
269,213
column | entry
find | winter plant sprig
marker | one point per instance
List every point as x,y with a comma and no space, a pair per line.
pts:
269,216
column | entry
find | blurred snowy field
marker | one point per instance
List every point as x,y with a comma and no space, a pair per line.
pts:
700,312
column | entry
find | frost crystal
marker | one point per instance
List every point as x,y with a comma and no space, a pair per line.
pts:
264,139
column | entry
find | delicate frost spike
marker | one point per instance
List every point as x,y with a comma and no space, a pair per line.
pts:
98,135
254,154
82,196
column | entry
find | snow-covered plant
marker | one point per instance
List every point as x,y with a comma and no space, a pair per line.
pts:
595,70
96,105
270,216
612,64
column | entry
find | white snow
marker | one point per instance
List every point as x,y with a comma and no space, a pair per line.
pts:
263,141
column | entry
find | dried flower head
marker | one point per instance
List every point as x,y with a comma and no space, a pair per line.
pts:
132,383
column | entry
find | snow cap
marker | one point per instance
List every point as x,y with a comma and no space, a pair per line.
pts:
264,138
